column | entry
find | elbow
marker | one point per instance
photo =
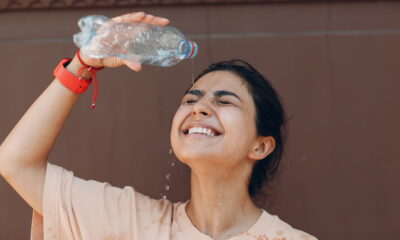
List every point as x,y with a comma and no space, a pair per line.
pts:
14,162
1,162
9,163
8,168
3,172
4,169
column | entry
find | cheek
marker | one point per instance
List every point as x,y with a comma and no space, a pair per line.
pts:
241,127
177,121
236,122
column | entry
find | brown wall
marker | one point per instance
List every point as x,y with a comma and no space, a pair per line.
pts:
336,66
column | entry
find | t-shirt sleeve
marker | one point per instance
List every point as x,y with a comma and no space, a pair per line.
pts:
74,208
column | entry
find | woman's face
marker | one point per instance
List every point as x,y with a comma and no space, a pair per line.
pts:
215,123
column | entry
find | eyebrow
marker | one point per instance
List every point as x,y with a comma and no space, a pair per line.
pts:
219,93
198,93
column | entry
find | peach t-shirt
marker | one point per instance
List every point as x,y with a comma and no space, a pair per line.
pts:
74,208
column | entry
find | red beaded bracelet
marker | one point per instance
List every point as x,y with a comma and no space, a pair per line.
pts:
77,84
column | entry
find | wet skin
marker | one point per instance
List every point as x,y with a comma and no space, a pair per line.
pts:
214,133
221,102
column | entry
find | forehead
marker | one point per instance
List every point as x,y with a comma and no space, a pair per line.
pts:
221,80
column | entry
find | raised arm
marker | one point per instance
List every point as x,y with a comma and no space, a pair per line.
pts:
23,154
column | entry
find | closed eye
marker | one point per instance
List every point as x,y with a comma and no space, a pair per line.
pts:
224,102
189,101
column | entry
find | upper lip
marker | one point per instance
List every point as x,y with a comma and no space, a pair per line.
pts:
202,125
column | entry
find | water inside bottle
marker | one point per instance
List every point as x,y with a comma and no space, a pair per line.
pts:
138,42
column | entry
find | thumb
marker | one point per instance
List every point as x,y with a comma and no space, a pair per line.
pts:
133,65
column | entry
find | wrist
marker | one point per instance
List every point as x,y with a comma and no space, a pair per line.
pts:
80,61
74,66
76,75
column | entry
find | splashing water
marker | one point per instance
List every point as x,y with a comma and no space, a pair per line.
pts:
193,71
220,199
168,176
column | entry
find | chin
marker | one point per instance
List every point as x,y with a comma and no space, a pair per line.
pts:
206,163
193,156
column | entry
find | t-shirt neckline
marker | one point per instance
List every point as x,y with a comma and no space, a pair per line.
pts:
262,224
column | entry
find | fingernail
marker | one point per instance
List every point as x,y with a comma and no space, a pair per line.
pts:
165,19
117,19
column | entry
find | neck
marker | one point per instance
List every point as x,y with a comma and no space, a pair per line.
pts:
220,205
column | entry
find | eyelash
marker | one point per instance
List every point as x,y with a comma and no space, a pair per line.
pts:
191,101
224,102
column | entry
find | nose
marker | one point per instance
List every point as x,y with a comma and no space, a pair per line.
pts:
201,110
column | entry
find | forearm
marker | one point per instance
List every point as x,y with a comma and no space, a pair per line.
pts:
30,141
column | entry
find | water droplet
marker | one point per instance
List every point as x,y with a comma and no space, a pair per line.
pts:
193,71
168,176
173,164
170,151
166,187
164,197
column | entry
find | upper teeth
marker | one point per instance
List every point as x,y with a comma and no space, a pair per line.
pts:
201,130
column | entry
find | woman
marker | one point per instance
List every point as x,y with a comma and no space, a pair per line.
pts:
228,130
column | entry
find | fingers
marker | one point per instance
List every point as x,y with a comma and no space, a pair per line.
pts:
130,17
133,65
160,21
155,20
113,62
142,17
137,17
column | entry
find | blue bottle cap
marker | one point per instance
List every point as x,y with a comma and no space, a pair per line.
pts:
193,49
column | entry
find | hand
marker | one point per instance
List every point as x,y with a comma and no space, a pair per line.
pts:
113,62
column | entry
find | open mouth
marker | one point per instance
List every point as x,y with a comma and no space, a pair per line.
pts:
202,130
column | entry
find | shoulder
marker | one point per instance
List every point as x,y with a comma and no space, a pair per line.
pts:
94,193
283,231
71,202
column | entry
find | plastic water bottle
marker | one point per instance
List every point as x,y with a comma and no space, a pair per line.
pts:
144,43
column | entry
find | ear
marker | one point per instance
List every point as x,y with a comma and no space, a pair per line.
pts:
262,148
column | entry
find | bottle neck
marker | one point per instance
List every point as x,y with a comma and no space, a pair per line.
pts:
190,49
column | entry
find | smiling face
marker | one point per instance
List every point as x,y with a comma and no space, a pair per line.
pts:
215,123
